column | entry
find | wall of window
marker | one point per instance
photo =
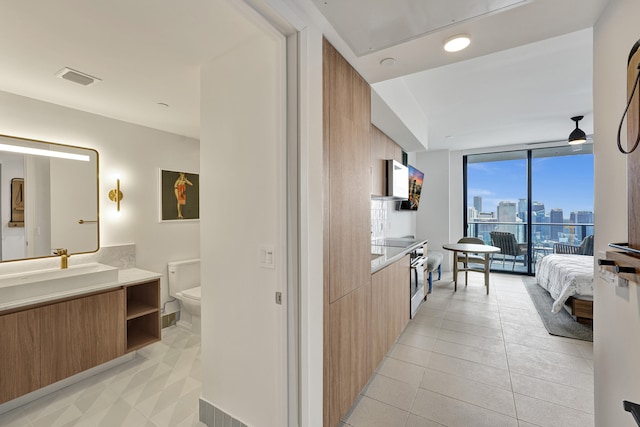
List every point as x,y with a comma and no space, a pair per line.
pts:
527,201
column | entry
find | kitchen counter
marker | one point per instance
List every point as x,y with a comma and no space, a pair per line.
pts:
387,251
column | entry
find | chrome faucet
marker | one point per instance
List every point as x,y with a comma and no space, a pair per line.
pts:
63,257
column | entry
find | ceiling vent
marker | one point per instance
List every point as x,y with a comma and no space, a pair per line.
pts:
77,77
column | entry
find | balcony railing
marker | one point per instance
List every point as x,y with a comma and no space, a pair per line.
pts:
543,237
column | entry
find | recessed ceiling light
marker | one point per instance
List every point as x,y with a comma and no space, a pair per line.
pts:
457,43
388,62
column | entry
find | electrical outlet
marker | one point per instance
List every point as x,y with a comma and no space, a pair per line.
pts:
168,320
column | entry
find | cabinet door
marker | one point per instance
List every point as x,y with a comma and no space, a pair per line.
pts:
390,306
20,355
378,162
80,334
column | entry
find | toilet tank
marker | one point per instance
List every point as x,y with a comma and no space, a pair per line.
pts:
183,275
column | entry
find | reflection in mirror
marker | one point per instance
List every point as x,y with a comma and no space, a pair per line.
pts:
48,198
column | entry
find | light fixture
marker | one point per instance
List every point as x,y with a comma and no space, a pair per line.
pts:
40,152
457,43
388,62
577,136
115,195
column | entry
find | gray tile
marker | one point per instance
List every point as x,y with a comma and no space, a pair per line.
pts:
392,392
463,368
455,413
422,329
416,421
371,413
417,341
489,344
546,414
550,357
568,396
401,371
476,393
552,373
410,354
467,328
497,360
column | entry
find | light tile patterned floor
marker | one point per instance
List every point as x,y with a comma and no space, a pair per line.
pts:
160,387
471,360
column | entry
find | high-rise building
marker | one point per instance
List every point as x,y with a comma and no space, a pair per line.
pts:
538,211
581,218
556,217
477,203
507,214
522,209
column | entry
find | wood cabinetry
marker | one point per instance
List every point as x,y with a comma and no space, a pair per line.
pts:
347,233
79,334
20,355
143,314
382,149
389,307
49,342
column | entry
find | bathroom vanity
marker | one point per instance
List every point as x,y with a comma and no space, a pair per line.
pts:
64,329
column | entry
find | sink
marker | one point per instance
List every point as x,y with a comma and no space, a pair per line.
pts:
39,283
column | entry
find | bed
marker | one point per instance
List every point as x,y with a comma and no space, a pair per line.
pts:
568,278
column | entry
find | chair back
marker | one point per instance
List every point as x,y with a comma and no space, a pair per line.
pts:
506,242
586,246
474,240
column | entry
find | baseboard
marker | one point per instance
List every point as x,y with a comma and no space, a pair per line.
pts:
214,417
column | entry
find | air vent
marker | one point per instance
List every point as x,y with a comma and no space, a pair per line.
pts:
77,76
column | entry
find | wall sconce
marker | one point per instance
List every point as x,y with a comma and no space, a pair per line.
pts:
115,195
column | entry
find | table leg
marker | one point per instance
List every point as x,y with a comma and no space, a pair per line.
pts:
466,266
486,271
455,271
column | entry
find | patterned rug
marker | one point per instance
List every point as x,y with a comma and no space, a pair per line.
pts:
560,324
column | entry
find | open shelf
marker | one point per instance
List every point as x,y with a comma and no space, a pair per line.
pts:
142,314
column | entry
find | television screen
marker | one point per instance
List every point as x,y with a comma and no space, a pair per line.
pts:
415,188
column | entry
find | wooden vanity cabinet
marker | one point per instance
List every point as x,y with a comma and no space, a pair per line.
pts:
143,314
52,341
79,334
20,355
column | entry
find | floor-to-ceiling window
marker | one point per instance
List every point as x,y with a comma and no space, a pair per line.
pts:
526,201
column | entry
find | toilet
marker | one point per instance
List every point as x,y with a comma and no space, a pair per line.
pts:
184,285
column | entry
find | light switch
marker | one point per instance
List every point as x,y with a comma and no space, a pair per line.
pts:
267,257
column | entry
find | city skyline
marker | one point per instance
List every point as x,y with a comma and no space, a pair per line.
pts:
562,182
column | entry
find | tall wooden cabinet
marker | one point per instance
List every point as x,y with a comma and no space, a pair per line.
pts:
347,233
382,149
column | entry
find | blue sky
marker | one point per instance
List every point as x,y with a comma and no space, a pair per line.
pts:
559,182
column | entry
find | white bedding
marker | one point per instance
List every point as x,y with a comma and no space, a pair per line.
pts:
564,276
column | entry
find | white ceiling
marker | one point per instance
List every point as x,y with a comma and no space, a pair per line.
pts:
145,52
149,51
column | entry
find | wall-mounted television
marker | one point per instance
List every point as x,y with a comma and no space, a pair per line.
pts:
415,188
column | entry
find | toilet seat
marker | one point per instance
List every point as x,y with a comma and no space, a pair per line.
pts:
192,293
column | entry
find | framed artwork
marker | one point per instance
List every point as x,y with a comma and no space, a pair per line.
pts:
179,196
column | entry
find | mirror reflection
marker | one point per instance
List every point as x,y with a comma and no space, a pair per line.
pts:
48,198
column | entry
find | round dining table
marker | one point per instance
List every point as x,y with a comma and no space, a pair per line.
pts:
466,249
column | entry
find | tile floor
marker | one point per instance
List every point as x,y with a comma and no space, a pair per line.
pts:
467,360
160,387
471,360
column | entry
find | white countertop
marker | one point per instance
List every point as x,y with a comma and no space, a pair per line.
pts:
391,254
125,277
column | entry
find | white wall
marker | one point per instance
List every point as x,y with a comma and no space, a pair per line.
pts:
136,153
617,310
440,213
243,148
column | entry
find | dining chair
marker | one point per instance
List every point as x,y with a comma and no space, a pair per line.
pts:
470,258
